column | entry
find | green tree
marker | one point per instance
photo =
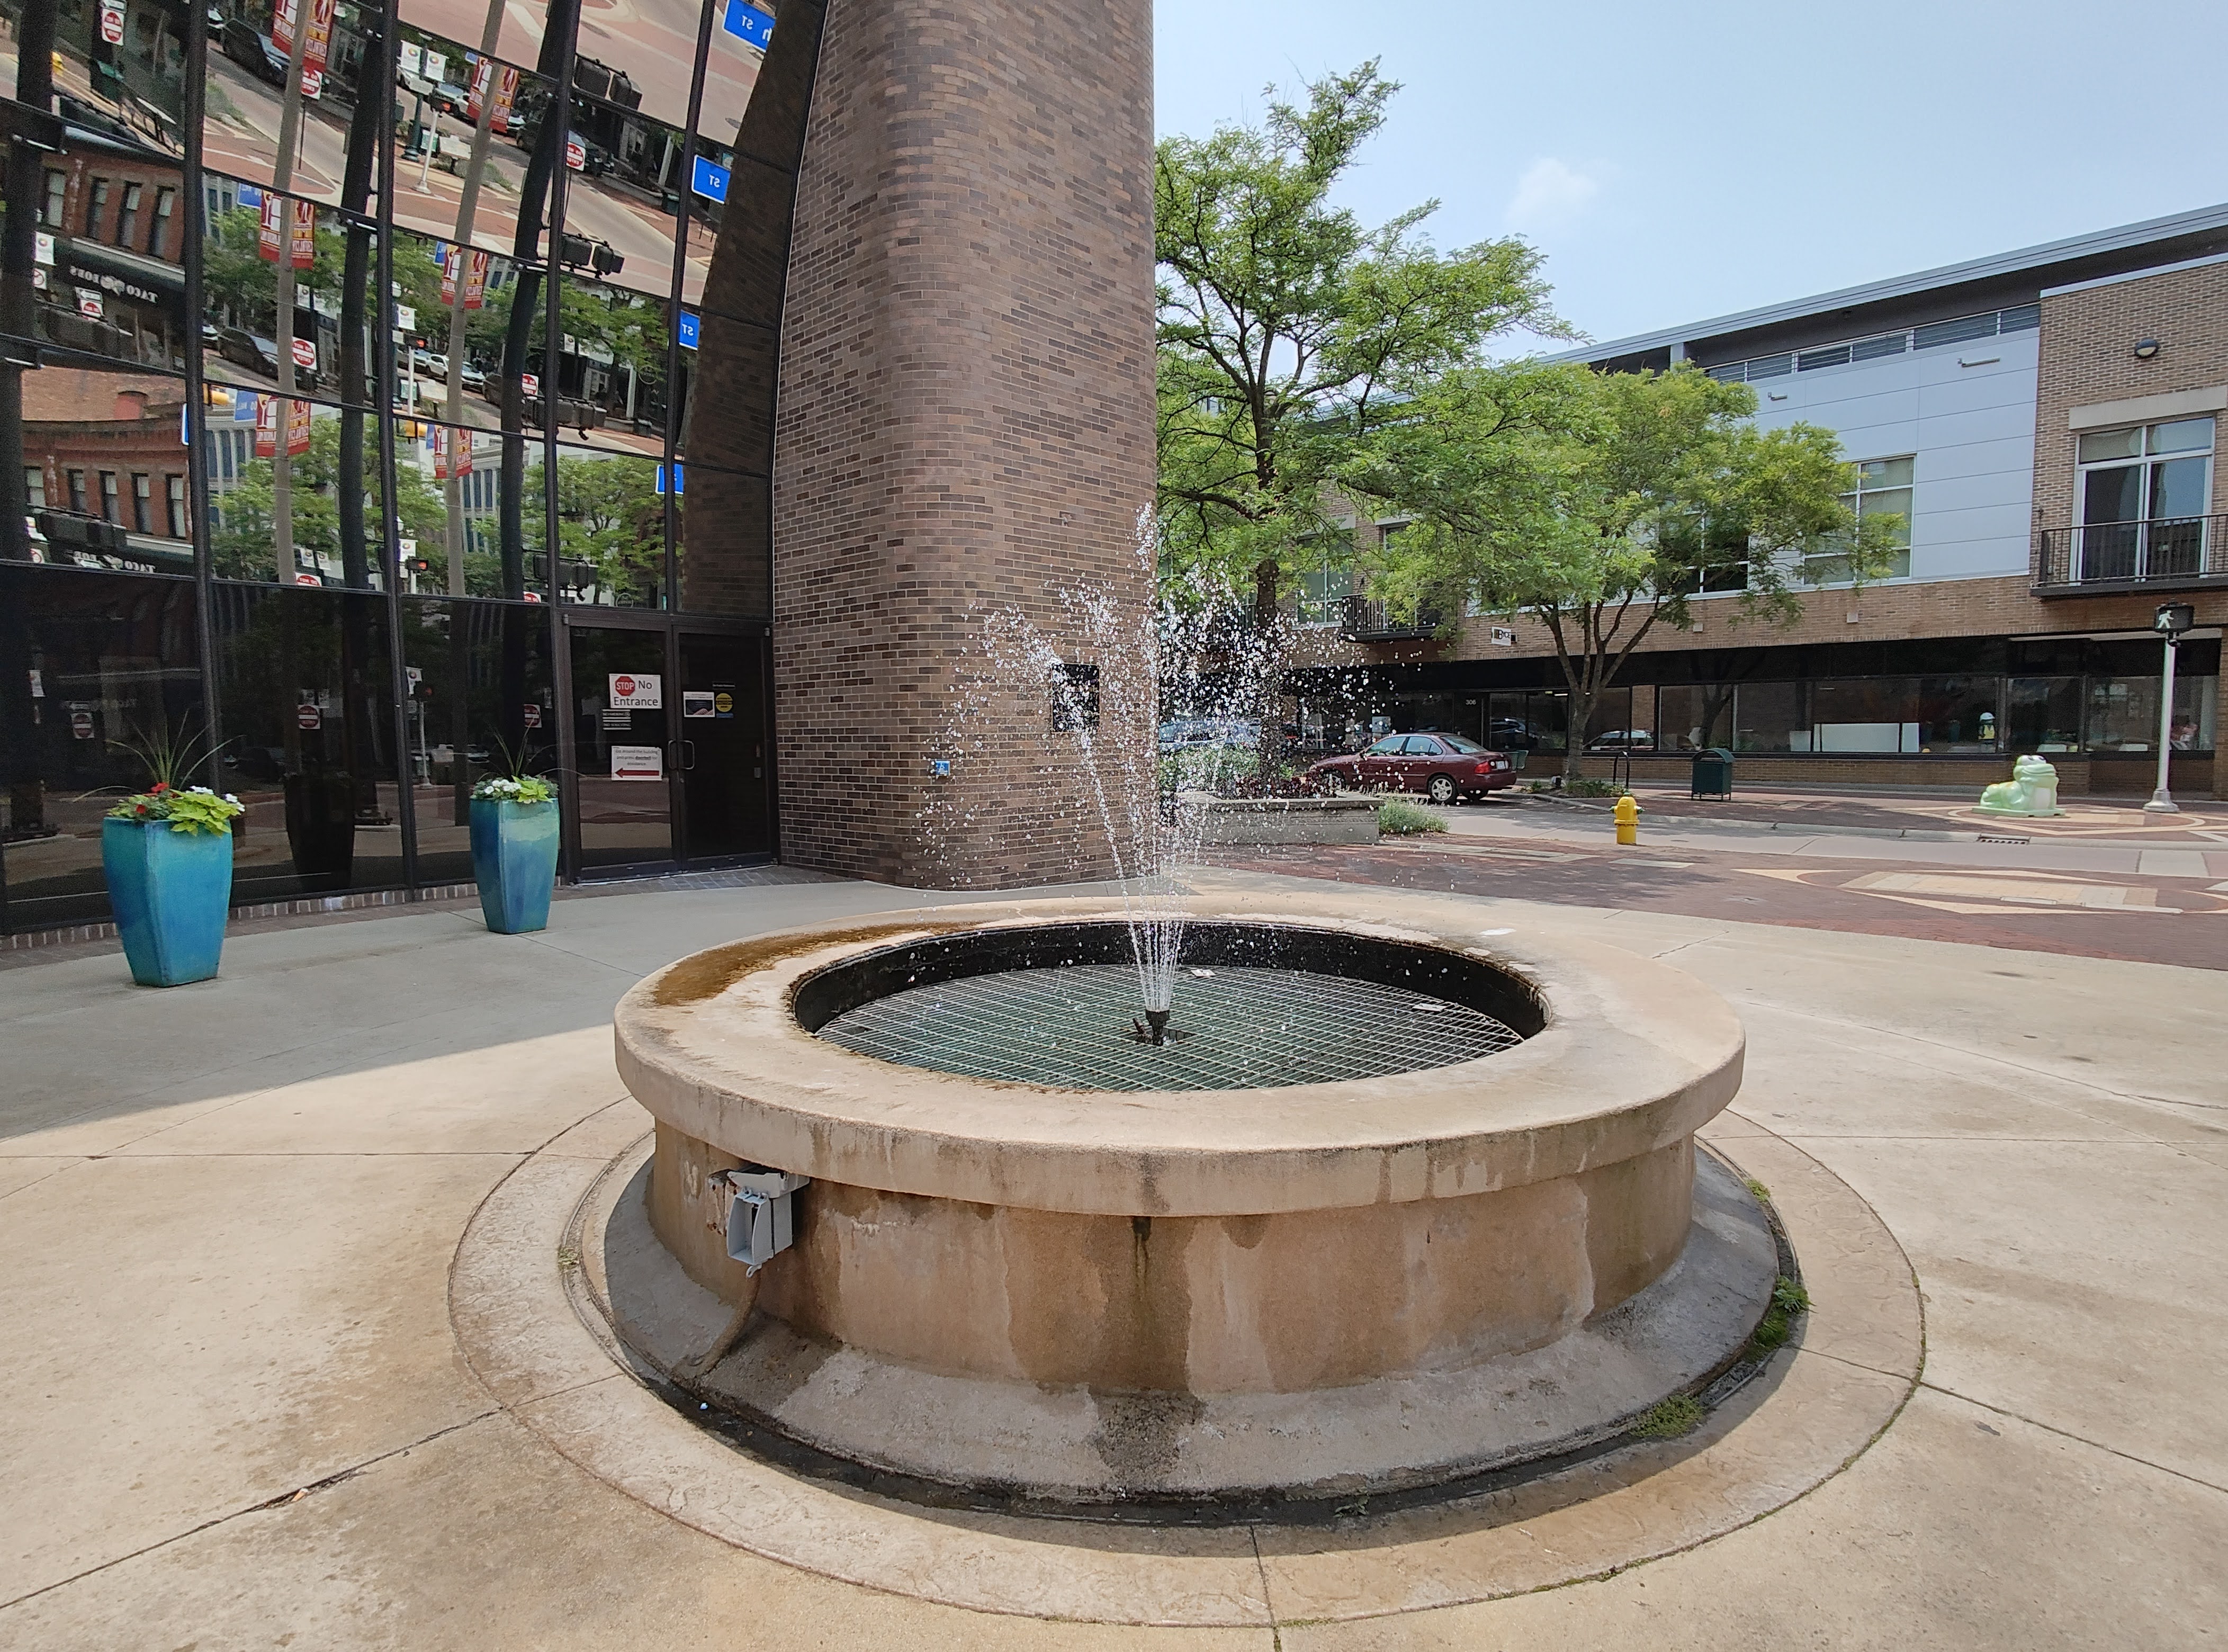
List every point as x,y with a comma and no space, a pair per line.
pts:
1290,332
1602,503
239,546
610,522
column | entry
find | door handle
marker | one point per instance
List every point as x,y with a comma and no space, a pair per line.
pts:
688,754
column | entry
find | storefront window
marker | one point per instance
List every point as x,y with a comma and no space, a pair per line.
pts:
1769,717
2122,713
90,665
482,695
1693,718
2043,715
303,681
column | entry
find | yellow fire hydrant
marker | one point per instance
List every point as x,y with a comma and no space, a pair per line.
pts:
1628,819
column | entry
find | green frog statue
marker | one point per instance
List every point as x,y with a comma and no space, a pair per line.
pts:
2032,790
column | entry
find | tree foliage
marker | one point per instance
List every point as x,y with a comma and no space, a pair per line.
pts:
240,544
1290,333
1603,502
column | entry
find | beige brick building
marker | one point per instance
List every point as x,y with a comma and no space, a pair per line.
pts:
2046,423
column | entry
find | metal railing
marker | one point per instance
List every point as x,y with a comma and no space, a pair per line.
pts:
1370,620
2164,551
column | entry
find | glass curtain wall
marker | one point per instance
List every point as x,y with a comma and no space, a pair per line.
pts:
341,347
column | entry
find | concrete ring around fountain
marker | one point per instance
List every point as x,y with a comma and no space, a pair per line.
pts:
1298,1295
529,1304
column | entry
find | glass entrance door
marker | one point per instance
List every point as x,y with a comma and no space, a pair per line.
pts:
723,757
621,738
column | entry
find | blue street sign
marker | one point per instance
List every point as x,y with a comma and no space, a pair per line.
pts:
709,180
747,23
680,480
688,327
249,195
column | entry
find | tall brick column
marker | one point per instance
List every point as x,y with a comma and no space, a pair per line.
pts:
964,424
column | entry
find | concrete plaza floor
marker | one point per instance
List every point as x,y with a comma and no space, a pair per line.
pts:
233,1411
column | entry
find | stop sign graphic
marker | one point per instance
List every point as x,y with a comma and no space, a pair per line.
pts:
624,686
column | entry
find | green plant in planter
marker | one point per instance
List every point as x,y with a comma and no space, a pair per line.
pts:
515,848
167,855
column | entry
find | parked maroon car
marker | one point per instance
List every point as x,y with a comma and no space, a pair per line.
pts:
1445,767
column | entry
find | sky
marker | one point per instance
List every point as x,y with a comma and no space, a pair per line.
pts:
1677,162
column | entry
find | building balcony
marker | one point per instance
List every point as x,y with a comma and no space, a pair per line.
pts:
2166,554
1369,620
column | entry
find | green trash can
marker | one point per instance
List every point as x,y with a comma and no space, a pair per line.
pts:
1713,773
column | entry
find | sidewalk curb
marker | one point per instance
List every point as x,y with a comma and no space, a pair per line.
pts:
1915,834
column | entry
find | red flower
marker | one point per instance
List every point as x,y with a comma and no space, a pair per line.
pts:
160,785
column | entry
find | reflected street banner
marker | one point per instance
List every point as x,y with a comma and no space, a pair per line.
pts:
476,272
506,92
316,49
303,239
267,426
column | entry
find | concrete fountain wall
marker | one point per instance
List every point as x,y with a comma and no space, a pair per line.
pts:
983,1246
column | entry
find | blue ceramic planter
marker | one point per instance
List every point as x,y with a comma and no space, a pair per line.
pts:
515,859
171,891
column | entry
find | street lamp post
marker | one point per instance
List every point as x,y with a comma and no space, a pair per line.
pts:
2173,618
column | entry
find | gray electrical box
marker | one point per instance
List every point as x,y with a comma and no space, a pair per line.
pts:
761,1220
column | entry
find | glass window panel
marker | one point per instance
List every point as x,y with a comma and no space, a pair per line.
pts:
484,690
611,367
1609,728
304,679
445,94
1957,713
248,82
1885,473
88,435
1768,717
2121,714
2196,703
1506,729
2183,435
86,660
1548,715
611,526
1694,717
240,335
622,203
451,482
311,516
105,278
2181,487
2112,495
130,92
2110,445
2043,715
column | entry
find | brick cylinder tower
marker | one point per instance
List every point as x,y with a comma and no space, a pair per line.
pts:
963,428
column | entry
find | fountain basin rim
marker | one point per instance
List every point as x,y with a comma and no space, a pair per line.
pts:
1633,1054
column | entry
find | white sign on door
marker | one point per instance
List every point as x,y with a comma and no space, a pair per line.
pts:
638,763
633,691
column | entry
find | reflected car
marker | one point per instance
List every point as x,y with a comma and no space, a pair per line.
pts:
1622,739
1446,768
452,99
248,349
431,363
474,379
250,48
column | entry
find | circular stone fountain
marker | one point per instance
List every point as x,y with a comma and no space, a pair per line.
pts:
1387,1203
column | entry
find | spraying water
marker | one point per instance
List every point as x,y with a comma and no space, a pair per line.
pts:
1113,670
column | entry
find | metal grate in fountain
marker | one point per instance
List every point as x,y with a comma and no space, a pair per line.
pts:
1233,1028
